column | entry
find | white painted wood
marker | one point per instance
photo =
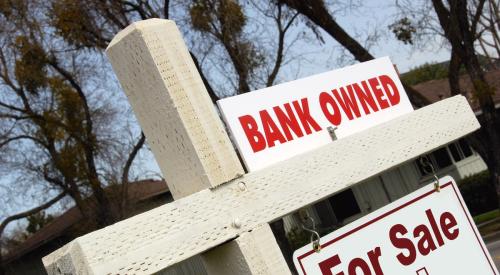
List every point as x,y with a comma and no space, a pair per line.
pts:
154,240
254,252
69,259
191,266
173,107
394,184
411,176
471,165
192,148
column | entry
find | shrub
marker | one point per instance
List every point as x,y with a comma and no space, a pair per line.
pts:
478,194
298,238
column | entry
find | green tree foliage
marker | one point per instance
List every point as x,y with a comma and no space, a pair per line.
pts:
225,21
317,12
404,30
30,69
37,221
459,22
58,126
60,129
225,24
477,192
433,71
464,25
425,72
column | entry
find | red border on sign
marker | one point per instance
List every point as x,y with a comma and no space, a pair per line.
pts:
301,257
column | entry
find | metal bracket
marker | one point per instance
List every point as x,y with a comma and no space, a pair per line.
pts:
427,164
315,238
331,131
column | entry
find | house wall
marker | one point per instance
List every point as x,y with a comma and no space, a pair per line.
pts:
387,187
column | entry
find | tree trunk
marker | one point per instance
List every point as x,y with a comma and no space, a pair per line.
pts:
454,73
482,91
2,266
104,210
240,68
455,24
316,11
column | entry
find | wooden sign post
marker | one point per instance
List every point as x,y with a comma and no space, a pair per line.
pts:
219,212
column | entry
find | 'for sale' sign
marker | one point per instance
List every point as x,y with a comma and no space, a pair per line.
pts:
276,123
424,233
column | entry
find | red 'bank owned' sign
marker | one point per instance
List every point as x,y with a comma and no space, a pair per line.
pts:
276,123
424,233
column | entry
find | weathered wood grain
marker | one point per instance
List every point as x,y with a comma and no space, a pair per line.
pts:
173,107
152,241
254,252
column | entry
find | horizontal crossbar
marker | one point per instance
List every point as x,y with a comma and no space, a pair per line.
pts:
154,240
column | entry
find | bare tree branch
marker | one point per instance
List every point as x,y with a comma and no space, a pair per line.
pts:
105,216
477,15
316,11
210,90
126,170
454,73
30,212
281,44
9,140
11,107
166,9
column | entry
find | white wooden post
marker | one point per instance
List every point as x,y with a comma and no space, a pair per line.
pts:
239,210
181,124
173,107
254,252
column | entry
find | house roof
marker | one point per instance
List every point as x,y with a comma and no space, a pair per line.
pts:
138,191
435,90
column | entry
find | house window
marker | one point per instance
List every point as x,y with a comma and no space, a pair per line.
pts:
455,152
465,148
344,205
442,158
446,156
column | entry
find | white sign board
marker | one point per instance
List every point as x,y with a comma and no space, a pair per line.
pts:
424,233
276,123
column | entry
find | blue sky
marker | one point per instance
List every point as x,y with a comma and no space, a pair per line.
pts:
373,15
378,15
362,21
404,56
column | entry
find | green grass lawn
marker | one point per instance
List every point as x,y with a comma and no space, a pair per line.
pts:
488,216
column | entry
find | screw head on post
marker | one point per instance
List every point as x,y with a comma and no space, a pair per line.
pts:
236,223
242,186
